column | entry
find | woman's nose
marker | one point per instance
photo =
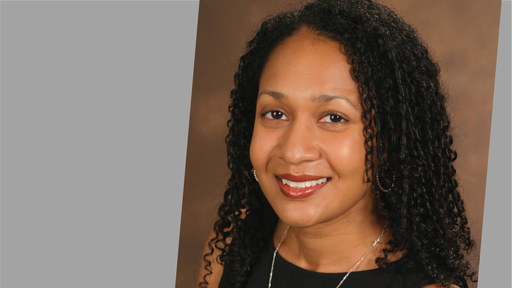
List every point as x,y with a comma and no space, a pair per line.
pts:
299,143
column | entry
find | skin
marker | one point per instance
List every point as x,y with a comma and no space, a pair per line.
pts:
309,122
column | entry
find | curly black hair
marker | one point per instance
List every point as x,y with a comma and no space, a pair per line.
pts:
407,137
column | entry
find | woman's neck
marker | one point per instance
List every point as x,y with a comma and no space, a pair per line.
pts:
332,247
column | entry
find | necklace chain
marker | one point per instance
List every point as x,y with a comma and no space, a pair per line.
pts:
346,275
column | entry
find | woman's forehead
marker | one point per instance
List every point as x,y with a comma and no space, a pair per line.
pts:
308,64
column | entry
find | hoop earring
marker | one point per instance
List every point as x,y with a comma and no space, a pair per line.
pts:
380,186
255,177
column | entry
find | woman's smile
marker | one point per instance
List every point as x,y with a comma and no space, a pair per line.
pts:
300,186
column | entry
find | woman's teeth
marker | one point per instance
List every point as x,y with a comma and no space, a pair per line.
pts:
303,184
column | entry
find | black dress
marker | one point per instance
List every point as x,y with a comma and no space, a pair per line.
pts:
287,275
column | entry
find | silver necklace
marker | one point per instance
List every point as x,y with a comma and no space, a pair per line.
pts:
342,280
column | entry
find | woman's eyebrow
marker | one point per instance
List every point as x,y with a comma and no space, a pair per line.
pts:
273,94
328,98
324,98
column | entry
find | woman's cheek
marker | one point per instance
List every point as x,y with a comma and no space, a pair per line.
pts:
346,151
258,148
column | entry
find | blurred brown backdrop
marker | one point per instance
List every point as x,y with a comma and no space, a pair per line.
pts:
463,37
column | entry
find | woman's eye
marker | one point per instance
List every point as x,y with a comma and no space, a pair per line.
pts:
333,118
277,115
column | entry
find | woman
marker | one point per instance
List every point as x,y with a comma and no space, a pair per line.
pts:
341,159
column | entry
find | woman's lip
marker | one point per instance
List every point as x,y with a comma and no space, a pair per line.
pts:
299,178
299,193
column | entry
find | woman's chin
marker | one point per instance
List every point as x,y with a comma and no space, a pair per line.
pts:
299,221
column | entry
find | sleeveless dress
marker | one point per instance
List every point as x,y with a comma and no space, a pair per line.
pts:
287,275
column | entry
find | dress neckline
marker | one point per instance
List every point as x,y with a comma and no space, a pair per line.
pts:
310,273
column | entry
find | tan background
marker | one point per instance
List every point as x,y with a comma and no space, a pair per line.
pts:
463,37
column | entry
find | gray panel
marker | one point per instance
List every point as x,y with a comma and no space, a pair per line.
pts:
495,266
94,121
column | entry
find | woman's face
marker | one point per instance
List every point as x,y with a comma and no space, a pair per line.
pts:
308,143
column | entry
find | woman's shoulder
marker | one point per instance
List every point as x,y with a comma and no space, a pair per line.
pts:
258,276
419,280
416,279
440,286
